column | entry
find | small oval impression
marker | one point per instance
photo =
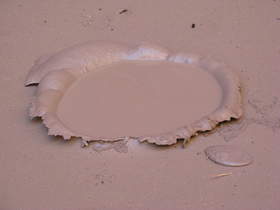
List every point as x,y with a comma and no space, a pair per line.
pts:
227,155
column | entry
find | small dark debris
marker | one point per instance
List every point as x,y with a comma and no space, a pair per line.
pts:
277,18
100,9
123,11
102,182
45,21
112,29
193,25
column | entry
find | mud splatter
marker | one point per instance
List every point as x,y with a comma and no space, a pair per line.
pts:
263,115
119,146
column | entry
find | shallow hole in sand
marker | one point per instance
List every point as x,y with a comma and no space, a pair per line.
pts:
137,98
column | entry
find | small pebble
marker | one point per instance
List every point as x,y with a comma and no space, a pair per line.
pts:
123,11
227,155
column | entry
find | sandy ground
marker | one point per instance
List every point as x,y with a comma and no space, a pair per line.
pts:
42,172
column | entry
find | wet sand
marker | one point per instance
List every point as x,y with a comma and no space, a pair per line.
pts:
42,172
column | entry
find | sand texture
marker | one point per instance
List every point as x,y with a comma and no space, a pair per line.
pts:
39,172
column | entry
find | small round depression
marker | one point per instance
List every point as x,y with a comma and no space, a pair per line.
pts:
138,98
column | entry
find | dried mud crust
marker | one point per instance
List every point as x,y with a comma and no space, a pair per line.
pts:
56,73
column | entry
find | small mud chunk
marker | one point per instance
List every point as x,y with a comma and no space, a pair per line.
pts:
228,155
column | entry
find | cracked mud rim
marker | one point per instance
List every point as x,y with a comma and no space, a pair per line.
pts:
57,72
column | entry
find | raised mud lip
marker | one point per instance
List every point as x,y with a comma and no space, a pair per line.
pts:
59,73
